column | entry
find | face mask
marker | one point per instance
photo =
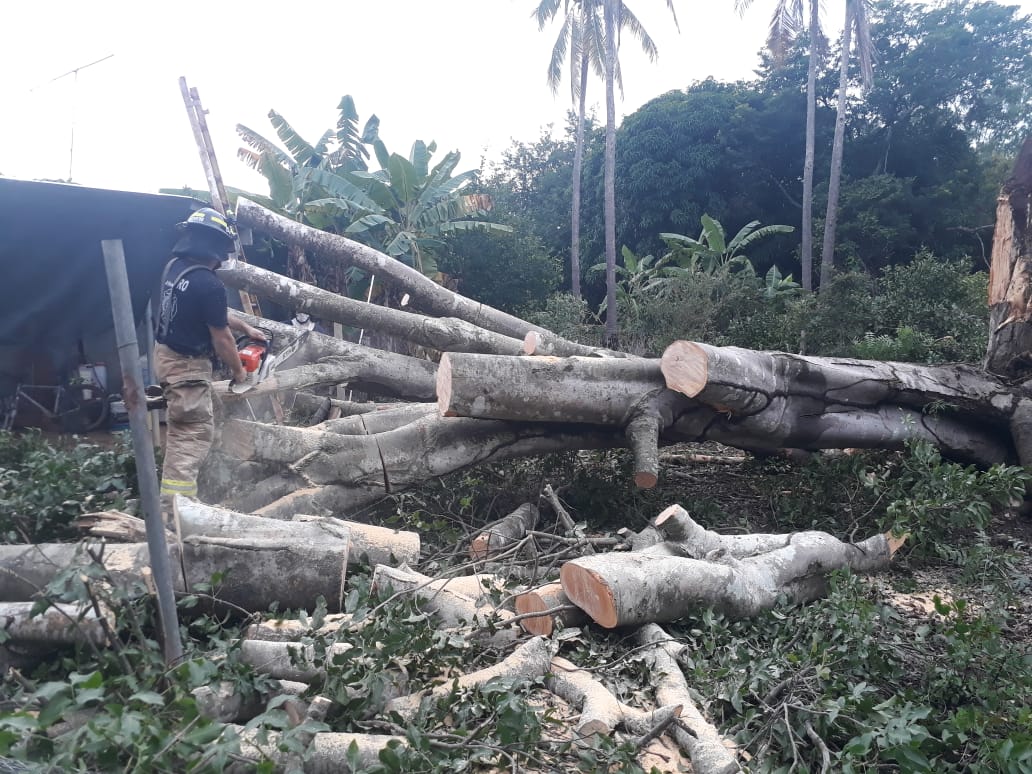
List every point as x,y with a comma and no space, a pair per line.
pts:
301,317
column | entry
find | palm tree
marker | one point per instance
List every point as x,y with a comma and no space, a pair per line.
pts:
581,37
857,20
785,26
616,17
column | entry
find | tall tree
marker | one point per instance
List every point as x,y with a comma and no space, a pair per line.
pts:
581,39
858,21
785,26
616,17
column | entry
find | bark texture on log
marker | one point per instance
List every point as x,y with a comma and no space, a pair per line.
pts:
440,333
59,624
643,587
705,746
532,659
1009,352
366,543
255,573
545,389
425,292
347,472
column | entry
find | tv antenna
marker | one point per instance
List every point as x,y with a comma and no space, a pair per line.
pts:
75,76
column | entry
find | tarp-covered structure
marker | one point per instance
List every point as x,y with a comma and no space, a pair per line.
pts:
54,287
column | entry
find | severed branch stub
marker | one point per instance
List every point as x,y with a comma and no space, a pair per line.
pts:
504,533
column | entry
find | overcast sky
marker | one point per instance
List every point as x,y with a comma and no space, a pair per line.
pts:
469,74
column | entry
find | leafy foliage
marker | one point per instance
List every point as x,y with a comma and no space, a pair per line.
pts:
43,488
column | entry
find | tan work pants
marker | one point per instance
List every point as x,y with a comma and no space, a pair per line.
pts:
186,382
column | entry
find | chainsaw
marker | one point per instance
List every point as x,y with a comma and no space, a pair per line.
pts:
254,356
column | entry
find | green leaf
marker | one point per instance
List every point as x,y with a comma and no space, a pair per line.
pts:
148,697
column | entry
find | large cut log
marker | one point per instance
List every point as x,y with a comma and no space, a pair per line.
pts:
745,382
788,400
328,753
633,588
425,293
444,334
366,543
255,574
346,472
627,393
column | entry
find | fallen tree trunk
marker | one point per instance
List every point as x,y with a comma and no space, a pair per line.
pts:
341,473
642,587
440,333
425,292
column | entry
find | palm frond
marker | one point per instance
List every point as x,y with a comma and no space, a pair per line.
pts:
862,10
630,22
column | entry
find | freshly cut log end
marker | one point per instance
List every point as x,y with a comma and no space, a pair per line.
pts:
895,542
444,390
547,597
531,342
480,547
645,479
685,367
589,591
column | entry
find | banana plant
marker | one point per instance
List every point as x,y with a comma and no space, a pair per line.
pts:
711,252
407,207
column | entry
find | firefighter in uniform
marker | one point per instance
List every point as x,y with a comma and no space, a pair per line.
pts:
193,326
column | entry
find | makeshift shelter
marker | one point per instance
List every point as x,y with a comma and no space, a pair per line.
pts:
54,303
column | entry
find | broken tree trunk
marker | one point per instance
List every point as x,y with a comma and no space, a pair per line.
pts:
641,587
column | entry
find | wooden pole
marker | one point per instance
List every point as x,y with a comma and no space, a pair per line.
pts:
199,125
143,448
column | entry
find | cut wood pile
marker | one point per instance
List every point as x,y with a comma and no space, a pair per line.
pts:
292,466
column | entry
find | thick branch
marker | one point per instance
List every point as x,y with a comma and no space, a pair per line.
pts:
425,292
444,334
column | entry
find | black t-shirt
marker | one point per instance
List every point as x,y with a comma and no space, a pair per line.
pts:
197,301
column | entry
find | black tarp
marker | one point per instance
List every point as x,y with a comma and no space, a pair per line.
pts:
53,288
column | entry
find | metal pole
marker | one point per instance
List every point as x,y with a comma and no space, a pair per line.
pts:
154,417
143,448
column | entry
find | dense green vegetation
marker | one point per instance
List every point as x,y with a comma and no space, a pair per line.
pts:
926,669
860,675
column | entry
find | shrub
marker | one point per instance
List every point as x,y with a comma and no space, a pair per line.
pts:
43,488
